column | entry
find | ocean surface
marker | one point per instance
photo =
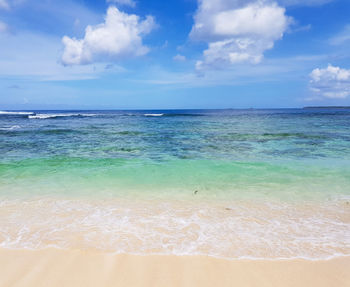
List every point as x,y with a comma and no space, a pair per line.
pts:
225,183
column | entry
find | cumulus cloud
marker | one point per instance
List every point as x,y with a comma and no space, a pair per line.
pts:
119,36
4,5
331,82
130,3
237,30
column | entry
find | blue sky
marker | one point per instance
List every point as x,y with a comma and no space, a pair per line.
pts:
126,54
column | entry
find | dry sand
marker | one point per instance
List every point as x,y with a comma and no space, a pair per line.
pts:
64,268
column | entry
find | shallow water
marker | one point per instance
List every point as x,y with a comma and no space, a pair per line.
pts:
228,183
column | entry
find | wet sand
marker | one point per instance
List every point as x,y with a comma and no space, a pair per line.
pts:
54,267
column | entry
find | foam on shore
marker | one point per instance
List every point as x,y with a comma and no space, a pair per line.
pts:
229,229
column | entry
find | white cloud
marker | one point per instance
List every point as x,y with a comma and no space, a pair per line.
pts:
119,36
3,27
21,57
179,58
342,37
331,82
130,3
303,2
299,28
4,5
272,70
237,31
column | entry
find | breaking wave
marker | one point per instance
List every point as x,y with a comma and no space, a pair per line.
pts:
232,230
52,116
7,113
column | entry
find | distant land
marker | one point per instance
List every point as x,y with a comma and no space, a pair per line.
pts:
327,107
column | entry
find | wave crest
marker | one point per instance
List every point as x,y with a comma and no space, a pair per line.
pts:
52,116
7,113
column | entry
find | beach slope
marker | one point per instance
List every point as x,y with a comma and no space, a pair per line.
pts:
53,267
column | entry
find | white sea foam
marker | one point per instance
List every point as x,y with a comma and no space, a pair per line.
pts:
15,113
153,115
227,230
50,116
15,127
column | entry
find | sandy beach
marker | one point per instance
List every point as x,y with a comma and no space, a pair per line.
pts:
195,143
54,267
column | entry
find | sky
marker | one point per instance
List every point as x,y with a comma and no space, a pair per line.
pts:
174,54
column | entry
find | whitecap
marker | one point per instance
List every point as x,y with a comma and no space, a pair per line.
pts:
153,115
6,113
50,116
15,127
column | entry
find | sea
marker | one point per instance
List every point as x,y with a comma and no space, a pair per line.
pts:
235,184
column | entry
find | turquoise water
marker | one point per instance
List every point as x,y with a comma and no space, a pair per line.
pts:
225,183
236,153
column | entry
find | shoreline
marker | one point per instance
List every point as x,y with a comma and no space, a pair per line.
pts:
57,267
245,230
